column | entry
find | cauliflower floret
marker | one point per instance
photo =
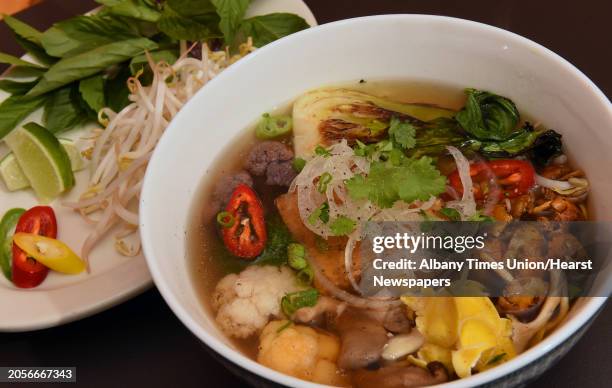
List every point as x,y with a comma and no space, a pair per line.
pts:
245,302
302,352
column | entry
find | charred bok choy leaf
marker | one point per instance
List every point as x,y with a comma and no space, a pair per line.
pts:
324,116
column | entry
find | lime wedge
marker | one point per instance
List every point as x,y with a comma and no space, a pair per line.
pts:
76,160
43,160
13,176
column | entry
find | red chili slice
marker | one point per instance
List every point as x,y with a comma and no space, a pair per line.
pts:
246,237
27,272
516,177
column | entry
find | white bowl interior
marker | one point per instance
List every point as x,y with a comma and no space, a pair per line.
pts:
420,47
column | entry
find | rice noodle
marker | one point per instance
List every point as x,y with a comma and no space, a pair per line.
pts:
121,151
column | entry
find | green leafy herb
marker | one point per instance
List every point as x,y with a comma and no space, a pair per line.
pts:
181,25
63,110
402,132
479,217
385,184
296,300
342,226
15,109
450,213
279,239
268,28
321,151
89,63
321,213
92,92
84,33
487,116
137,9
231,13
29,38
298,164
115,87
15,87
140,62
12,60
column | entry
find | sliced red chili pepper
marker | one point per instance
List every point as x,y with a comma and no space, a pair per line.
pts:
515,177
246,236
27,272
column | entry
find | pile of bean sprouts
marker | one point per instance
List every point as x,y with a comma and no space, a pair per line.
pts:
120,151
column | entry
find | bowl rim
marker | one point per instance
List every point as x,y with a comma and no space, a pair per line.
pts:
589,309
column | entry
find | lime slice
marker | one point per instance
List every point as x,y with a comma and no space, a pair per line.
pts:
43,160
12,174
15,179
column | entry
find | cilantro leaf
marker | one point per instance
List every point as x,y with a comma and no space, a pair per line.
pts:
402,133
420,180
387,183
342,226
320,213
378,186
450,213
478,217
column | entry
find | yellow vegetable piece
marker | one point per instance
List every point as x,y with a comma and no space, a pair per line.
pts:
50,252
433,352
436,318
463,333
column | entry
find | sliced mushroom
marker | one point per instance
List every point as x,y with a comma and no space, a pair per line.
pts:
326,309
400,375
523,298
363,338
402,345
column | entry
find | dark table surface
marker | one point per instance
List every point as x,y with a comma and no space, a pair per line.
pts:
141,343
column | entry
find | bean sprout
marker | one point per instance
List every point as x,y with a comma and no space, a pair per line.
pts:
121,151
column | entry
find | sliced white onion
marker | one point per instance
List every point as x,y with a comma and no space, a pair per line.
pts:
467,205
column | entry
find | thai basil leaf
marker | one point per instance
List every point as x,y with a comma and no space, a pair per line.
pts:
202,11
89,63
140,62
16,88
268,28
181,27
83,33
36,51
92,92
62,110
116,89
28,38
137,9
487,116
16,108
22,29
12,60
231,13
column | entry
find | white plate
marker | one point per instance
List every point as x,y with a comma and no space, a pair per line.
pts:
114,278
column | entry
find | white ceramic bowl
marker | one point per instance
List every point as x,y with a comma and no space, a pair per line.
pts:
419,47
